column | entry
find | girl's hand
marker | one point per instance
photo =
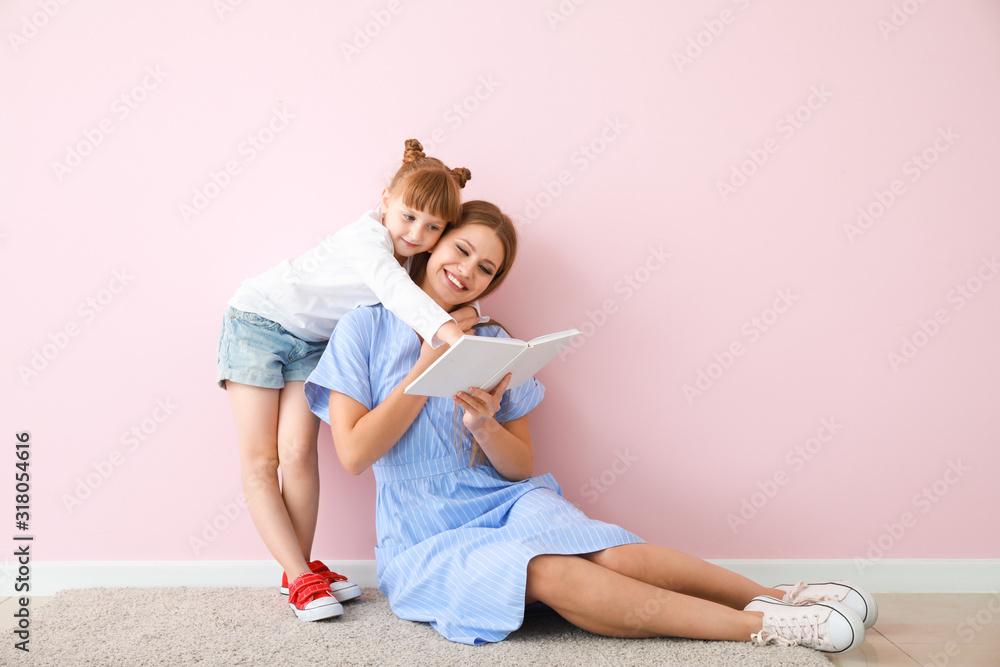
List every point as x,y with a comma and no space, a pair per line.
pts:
466,317
479,405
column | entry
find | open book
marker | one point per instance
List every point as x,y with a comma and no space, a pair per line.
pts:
483,361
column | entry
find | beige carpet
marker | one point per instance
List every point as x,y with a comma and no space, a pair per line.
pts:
254,626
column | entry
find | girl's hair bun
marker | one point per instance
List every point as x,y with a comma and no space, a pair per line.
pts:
413,151
462,175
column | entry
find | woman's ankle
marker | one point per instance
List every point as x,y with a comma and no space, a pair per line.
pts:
754,623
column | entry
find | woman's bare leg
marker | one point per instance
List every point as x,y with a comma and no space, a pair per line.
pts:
255,411
298,430
601,600
677,571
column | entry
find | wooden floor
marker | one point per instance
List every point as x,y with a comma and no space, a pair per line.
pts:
925,629
913,629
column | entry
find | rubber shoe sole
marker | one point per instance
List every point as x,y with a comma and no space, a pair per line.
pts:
342,590
319,609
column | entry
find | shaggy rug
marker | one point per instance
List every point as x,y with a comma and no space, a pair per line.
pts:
254,626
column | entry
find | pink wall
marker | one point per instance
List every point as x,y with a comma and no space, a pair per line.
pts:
686,175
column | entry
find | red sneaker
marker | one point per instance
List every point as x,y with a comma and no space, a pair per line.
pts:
341,588
311,599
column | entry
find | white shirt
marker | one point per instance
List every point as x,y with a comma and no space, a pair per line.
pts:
353,267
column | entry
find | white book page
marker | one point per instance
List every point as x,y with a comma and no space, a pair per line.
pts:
533,358
471,362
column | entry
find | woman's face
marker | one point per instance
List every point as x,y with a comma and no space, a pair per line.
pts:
463,264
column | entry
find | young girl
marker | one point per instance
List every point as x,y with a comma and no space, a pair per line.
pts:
274,332
466,546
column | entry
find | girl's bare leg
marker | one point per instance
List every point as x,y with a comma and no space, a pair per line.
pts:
677,571
601,600
298,430
255,411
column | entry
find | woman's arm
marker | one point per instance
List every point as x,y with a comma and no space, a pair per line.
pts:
507,445
508,448
362,436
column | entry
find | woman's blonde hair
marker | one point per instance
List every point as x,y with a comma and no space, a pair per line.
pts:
426,184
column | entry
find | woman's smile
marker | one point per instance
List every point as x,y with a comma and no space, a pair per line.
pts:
456,283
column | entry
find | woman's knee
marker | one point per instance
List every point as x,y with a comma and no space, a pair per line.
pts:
612,558
546,574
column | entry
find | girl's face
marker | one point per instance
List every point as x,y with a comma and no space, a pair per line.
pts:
412,231
463,264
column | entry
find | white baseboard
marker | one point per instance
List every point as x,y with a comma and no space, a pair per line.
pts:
881,576
47,578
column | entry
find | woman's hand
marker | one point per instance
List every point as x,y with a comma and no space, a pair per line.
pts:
480,406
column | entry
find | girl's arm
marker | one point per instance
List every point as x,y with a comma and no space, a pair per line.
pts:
507,445
368,251
362,436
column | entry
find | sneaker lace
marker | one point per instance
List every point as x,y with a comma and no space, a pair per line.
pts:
798,595
791,631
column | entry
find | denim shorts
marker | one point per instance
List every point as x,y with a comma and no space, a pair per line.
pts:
260,352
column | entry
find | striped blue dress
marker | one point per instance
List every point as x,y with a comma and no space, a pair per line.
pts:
454,541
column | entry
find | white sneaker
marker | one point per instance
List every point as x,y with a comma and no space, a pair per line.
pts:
853,596
827,626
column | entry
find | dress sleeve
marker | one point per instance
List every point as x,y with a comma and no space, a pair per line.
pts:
344,366
518,401
368,251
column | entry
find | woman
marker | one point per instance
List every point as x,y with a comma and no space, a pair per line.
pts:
467,538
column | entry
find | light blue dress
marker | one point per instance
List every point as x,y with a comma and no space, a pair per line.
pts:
454,541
